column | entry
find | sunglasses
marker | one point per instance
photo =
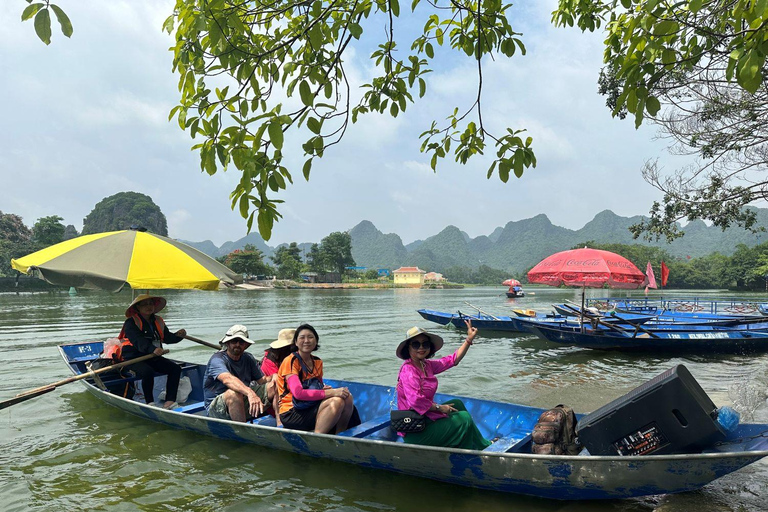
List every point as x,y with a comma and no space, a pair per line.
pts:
238,341
419,344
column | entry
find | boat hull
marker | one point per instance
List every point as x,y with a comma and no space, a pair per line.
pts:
736,341
558,477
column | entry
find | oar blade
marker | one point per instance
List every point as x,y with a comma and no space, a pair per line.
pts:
24,397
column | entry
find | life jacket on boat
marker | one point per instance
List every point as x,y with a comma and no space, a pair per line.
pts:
124,341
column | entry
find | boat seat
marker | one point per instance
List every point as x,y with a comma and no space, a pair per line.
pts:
509,443
192,408
267,420
367,428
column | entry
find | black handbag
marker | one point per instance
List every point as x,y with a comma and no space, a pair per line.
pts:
407,421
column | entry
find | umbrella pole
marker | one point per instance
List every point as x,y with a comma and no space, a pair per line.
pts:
581,317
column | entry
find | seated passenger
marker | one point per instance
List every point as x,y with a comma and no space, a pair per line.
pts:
270,364
448,424
277,351
234,387
144,333
306,403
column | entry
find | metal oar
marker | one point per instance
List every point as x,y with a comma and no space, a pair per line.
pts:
480,310
32,393
202,342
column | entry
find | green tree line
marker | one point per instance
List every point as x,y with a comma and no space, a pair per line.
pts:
332,254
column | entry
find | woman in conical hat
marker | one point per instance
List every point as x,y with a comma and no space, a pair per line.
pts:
144,332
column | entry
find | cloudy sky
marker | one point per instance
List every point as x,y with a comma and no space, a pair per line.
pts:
86,117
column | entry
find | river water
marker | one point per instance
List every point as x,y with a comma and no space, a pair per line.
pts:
66,450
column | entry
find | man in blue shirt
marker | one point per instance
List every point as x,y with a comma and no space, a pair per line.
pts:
235,388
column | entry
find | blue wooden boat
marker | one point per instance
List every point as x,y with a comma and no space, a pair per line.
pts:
506,466
685,305
713,340
511,323
660,316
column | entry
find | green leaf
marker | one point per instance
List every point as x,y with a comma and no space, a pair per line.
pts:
356,30
66,25
665,28
395,6
244,206
168,24
275,131
306,93
265,221
652,105
314,125
43,26
30,11
307,168
695,5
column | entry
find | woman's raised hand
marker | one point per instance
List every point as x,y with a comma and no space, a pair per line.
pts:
471,331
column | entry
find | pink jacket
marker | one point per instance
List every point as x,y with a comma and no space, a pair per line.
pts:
417,391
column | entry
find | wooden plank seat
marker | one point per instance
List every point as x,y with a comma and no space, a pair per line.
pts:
367,428
267,420
192,408
509,443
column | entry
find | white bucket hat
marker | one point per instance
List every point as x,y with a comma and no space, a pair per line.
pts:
284,338
236,332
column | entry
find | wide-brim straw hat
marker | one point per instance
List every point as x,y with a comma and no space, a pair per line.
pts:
284,338
437,341
236,332
159,303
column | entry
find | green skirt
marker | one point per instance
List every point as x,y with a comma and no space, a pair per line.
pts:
457,430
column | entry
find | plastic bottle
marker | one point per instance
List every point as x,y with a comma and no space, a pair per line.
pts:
728,418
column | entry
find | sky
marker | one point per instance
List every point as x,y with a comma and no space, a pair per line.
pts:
87,117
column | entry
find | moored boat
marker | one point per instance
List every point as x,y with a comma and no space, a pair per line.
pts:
507,465
712,340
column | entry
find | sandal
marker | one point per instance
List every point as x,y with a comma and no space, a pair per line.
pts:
172,405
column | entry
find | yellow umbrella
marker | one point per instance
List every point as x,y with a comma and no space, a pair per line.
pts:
109,261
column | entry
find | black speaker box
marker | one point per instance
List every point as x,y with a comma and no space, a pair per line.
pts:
668,414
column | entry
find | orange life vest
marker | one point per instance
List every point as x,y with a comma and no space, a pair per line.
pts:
116,352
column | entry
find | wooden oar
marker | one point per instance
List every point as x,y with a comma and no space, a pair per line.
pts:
32,393
480,310
198,340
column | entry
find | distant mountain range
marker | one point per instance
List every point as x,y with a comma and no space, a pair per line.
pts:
515,247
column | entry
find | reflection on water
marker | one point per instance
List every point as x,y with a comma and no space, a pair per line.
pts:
67,450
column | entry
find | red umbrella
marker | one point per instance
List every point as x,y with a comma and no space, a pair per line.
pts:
511,282
587,267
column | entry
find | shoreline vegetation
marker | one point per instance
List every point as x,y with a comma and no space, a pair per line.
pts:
284,284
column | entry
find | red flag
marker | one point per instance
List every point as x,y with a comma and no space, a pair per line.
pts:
650,276
664,274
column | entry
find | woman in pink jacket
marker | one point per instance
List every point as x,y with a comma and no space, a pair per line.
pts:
448,424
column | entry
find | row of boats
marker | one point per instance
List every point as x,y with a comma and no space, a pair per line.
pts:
682,325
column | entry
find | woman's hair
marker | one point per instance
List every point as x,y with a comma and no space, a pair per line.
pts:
404,354
304,327
276,355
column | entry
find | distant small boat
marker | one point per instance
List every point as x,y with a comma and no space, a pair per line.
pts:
506,466
515,292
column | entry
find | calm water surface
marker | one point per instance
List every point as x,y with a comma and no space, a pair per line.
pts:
66,450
